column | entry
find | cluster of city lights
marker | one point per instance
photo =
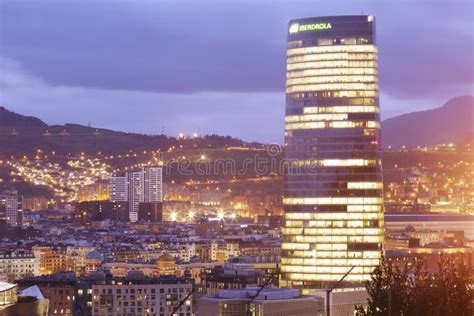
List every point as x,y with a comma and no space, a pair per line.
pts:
63,179
191,216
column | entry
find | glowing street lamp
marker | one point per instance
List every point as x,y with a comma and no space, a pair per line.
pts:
173,216
220,216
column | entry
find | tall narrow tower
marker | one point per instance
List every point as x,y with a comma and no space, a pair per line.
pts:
333,195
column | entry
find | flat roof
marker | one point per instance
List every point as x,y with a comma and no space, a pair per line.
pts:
428,217
265,294
4,286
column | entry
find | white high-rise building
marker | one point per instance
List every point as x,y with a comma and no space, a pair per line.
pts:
137,187
136,193
10,209
118,189
153,184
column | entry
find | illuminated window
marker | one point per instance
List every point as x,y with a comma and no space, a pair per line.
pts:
331,56
291,246
364,185
332,64
341,109
334,86
364,208
332,200
332,124
315,117
333,49
331,79
336,162
329,72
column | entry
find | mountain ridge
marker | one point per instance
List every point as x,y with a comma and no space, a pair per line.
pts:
23,135
453,122
12,119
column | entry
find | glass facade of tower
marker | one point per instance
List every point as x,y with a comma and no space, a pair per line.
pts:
333,195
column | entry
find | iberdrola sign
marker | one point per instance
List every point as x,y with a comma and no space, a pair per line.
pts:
296,27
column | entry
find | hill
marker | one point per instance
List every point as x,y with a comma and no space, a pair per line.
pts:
12,119
451,123
24,135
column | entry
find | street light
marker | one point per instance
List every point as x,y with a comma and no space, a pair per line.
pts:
328,291
174,216
220,215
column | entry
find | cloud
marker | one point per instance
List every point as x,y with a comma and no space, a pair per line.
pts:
233,46
217,66
427,53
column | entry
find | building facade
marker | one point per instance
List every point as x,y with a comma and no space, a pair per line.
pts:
150,211
141,296
230,277
35,203
60,289
15,265
333,193
98,191
50,260
136,193
136,187
118,187
102,210
153,184
268,302
10,209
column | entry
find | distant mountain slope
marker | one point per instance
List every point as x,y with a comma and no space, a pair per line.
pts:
451,123
19,135
8,118
23,135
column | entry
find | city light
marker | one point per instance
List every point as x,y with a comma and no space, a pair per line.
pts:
173,216
147,215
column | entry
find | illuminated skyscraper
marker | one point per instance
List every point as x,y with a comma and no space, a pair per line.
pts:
333,195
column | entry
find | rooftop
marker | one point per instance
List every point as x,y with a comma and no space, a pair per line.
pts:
265,294
134,277
4,286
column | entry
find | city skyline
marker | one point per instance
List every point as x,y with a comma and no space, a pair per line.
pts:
167,89
231,158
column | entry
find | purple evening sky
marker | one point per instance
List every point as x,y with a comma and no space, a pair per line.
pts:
213,66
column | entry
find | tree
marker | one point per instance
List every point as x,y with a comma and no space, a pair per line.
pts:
413,290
